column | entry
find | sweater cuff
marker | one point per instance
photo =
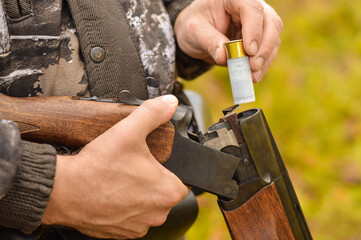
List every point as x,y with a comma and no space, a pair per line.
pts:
24,205
187,67
174,7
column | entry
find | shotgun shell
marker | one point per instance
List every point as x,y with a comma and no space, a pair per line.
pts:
239,73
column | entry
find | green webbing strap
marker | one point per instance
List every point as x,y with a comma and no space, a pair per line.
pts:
102,23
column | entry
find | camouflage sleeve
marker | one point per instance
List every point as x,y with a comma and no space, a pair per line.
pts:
24,204
187,67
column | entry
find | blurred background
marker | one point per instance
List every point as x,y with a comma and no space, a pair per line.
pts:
311,97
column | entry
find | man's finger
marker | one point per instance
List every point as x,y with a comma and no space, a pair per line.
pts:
264,53
251,14
272,29
257,76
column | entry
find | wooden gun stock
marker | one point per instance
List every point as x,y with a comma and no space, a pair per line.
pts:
261,217
73,123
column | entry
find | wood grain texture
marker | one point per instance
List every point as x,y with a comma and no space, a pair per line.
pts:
74,123
261,217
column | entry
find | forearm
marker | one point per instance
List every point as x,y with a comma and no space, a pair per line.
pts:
24,205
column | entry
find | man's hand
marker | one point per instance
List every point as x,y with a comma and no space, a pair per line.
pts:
115,188
203,27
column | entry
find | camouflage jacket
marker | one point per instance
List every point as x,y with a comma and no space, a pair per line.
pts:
45,56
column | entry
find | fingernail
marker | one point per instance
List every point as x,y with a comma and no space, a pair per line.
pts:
254,48
258,75
216,53
169,99
258,64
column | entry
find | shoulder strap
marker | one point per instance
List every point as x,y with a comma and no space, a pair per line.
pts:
110,54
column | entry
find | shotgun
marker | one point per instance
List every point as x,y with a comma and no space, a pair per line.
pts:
236,159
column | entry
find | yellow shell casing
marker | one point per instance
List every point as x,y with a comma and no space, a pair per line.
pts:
234,49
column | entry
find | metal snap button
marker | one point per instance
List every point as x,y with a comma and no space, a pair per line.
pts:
97,54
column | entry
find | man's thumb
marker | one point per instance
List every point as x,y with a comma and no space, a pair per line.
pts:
151,114
211,41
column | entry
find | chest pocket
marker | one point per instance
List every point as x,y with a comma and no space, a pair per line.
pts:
17,10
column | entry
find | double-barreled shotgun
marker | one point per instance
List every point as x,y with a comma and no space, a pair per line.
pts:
237,158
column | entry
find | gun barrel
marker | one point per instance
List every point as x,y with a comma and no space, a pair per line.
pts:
266,206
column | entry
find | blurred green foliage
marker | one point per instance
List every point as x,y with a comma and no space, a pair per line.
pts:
311,97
